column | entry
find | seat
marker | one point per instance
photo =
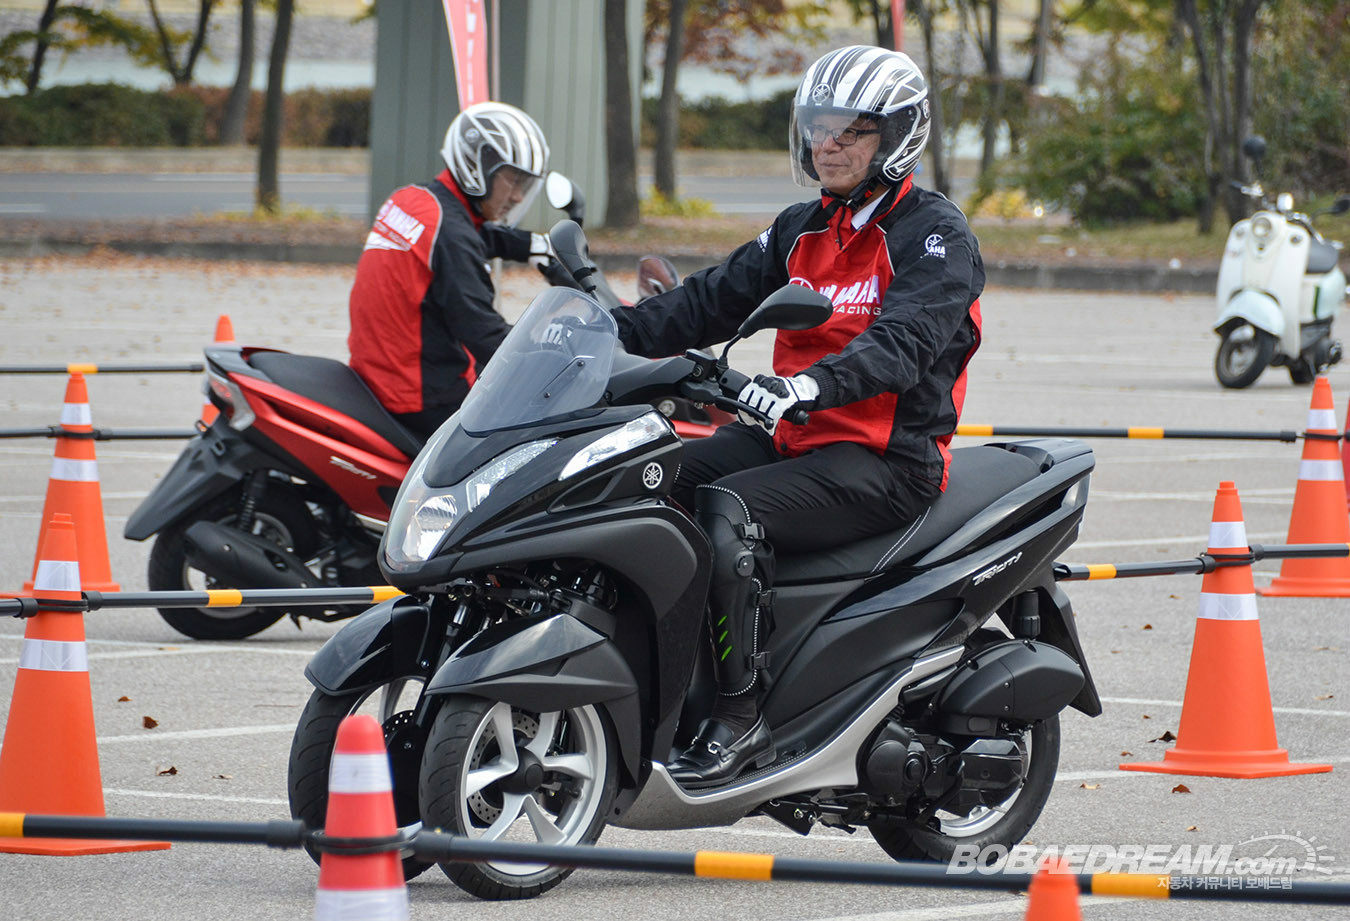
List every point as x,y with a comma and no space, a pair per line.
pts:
977,477
333,384
1322,257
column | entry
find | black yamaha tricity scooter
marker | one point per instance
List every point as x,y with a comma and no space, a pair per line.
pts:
550,657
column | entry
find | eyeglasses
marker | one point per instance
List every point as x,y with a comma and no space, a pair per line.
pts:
845,137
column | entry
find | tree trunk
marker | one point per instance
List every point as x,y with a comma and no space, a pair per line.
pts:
40,49
1205,72
1235,203
198,40
881,23
993,116
668,109
1040,45
268,197
620,145
168,61
941,182
236,106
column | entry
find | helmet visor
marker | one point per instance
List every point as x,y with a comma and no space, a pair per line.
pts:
511,192
848,140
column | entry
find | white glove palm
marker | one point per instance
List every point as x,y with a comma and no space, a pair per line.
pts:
772,396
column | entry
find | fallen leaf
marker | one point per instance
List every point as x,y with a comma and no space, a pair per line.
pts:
1146,627
1126,754
1165,737
123,699
224,777
167,772
1088,786
1181,788
1115,652
1192,827
1177,597
149,722
1324,697
1147,717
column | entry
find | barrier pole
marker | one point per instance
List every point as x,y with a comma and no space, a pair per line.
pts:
278,833
94,368
1136,431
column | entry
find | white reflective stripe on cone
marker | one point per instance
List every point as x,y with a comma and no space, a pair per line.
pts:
1214,606
57,576
1320,470
1322,420
54,656
1227,535
361,905
359,774
79,471
78,414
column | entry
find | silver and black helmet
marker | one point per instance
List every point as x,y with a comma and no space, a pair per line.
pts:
488,136
865,82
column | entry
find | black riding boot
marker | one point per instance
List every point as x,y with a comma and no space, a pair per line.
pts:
735,735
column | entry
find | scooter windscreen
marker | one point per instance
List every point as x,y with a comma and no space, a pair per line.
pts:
555,361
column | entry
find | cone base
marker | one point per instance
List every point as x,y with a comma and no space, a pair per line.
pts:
1303,587
1236,765
76,847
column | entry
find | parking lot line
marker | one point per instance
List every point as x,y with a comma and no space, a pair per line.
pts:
1144,702
204,797
221,733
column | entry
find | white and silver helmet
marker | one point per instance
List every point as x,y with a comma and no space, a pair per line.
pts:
865,82
487,136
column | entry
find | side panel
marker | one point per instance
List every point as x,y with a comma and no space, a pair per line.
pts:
1256,308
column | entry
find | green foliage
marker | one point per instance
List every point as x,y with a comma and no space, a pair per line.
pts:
1129,147
72,29
657,205
112,115
718,124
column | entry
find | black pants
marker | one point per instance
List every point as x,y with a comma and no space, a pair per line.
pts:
830,496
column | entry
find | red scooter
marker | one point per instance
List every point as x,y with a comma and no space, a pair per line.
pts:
291,486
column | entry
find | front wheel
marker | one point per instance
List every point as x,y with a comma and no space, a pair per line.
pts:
1244,352
984,826
392,704
500,773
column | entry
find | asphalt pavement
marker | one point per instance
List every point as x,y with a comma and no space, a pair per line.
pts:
225,711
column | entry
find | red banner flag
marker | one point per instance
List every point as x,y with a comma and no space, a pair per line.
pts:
897,23
467,22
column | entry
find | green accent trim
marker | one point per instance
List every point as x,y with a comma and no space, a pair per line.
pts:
726,652
723,636
722,621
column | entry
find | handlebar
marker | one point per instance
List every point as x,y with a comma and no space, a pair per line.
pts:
733,382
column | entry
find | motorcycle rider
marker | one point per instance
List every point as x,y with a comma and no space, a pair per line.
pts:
884,377
422,316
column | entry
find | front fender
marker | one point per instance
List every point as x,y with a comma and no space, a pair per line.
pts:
1254,307
553,662
390,640
211,463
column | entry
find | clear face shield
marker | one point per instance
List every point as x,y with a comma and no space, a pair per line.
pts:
845,140
511,191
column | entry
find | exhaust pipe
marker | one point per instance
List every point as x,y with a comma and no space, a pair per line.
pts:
239,559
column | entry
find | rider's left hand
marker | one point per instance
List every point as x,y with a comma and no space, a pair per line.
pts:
773,396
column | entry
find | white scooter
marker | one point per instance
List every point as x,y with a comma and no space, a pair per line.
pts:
1279,290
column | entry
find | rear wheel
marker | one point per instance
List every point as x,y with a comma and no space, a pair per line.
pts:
1004,823
281,517
392,705
500,773
1244,352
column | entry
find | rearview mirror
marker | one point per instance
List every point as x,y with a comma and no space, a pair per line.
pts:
1254,148
790,307
1342,205
564,194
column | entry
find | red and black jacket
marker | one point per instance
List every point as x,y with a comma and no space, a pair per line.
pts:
421,309
891,361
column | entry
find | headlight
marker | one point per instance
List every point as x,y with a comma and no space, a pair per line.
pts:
1262,228
647,427
423,515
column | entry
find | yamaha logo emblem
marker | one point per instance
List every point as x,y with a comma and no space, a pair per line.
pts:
652,474
821,92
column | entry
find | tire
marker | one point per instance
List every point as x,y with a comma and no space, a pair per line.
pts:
1244,352
984,827
575,748
281,515
312,751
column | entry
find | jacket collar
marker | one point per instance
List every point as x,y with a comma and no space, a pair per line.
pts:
448,181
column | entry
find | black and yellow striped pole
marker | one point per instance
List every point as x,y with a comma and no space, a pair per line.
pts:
1205,562
211,598
732,865
1142,432
95,368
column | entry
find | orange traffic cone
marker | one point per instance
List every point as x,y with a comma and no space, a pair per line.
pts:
1227,726
224,336
1053,894
360,805
1345,457
49,759
1319,515
73,490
